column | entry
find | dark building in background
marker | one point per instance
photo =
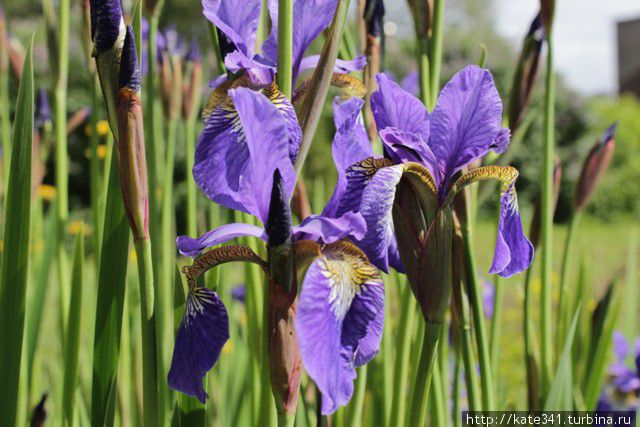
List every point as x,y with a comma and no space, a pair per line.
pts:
629,57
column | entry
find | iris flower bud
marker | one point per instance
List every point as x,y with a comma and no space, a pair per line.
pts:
132,166
594,167
525,75
171,76
547,8
85,34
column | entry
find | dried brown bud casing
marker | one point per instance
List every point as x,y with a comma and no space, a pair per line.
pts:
132,165
171,82
592,172
191,91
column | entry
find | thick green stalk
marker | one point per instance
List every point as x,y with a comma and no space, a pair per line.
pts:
72,343
475,299
547,220
150,408
567,258
438,413
466,349
320,82
164,291
496,321
15,256
387,350
530,348
5,119
354,414
422,57
285,46
435,54
216,49
61,155
190,149
406,323
94,168
457,419
424,373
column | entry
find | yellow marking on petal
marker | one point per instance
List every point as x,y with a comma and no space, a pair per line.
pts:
423,174
351,87
507,176
47,192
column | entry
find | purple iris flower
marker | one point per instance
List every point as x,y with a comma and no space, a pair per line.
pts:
42,114
435,148
624,379
238,21
340,312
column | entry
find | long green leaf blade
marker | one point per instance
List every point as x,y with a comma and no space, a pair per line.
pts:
561,389
110,302
72,344
15,258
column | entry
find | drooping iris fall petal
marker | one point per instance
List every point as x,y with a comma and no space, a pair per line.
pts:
203,332
237,19
339,321
193,246
328,230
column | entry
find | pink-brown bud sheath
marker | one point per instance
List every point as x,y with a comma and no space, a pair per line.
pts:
594,167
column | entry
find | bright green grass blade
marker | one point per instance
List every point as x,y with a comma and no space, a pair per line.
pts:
560,397
631,301
15,257
110,302
72,345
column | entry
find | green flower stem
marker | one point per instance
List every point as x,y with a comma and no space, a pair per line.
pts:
496,321
457,419
567,258
5,118
354,414
165,292
190,149
94,168
422,57
547,220
61,155
285,46
439,413
150,407
320,82
435,55
406,326
475,299
216,49
466,346
387,349
424,373
530,348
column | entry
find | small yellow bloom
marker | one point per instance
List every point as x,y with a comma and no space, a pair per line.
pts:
76,227
228,347
47,192
101,150
1,245
133,257
103,127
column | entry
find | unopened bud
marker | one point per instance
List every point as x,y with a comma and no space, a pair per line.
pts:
171,76
525,75
280,234
42,114
193,83
422,11
132,166
594,167
547,9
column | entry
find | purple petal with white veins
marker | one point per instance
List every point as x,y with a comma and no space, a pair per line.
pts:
329,230
466,122
373,197
407,147
310,18
513,252
237,19
350,145
341,66
203,332
337,319
239,149
394,107
191,247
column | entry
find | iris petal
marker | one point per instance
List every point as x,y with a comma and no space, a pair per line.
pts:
407,147
395,108
189,246
328,230
466,122
350,145
203,332
339,321
237,19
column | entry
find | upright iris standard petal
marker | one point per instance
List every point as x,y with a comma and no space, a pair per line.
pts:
513,252
258,72
339,320
243,142
350,145
342,66
393,107
237,19
203,332
191,247
310,18
466,122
